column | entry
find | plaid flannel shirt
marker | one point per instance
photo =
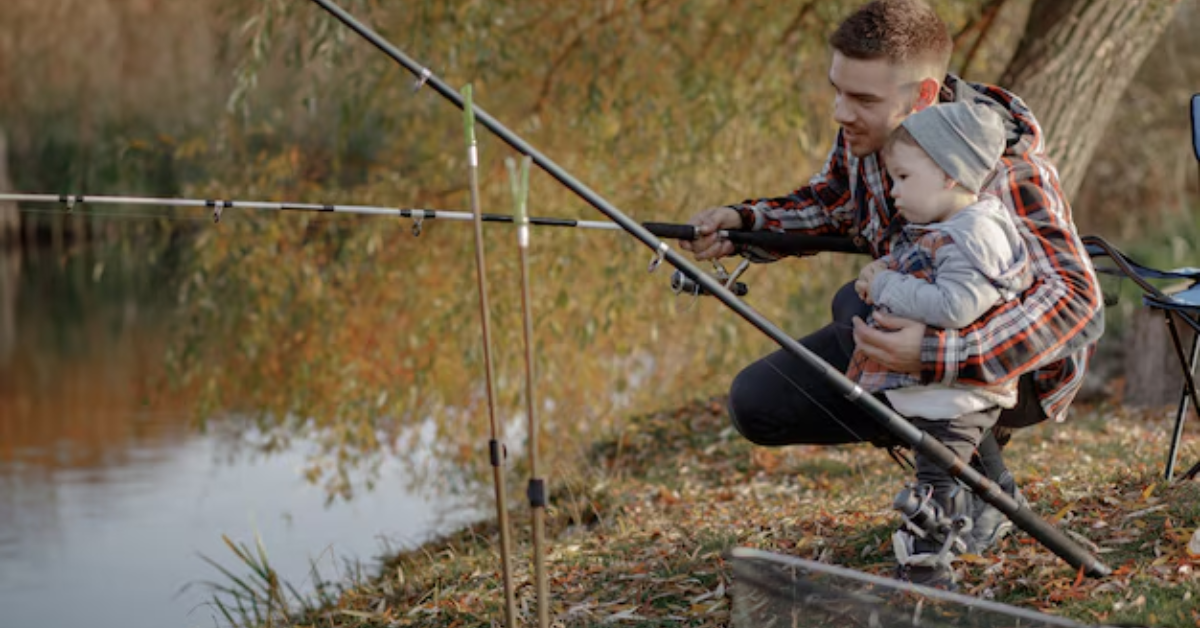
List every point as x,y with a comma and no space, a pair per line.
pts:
1050,330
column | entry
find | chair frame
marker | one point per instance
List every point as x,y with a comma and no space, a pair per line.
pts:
1172,308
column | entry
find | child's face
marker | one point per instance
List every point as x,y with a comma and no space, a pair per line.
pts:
922,191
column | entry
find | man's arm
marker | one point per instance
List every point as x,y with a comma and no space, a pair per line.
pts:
822,206
1060,313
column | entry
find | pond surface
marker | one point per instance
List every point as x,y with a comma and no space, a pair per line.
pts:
108,494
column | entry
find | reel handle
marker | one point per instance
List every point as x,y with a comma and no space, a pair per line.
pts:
682,284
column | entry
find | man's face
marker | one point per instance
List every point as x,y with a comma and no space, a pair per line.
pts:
872,98
922,191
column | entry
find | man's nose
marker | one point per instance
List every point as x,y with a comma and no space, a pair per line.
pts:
843,114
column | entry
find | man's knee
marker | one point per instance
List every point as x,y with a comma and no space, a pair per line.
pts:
1029,407
748,407
847,304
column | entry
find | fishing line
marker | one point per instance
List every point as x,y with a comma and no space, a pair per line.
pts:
813,400
901,460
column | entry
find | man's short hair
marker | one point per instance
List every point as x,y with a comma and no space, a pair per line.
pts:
905,32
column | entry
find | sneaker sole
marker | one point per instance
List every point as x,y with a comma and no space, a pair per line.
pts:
1000,532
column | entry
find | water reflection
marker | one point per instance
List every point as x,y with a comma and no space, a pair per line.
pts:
107,496
10,272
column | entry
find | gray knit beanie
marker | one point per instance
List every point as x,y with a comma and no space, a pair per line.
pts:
965,139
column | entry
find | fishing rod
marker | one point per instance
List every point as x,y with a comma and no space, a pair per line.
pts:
496,448
681,282
1049,536
536,490
785,243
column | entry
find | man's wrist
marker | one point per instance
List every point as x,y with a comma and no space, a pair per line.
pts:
748,215
933,357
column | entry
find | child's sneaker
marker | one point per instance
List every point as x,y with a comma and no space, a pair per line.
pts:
989,524
934,577
918,565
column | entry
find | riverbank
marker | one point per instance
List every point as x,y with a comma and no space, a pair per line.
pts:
642,539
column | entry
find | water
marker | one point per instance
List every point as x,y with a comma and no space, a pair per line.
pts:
108,497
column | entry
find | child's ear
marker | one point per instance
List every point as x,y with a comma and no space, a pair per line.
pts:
949,183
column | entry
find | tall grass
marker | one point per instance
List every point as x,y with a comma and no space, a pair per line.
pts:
261,597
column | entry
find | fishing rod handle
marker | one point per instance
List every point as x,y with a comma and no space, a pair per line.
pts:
786,243
671,231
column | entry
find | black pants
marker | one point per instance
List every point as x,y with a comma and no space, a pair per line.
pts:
779,400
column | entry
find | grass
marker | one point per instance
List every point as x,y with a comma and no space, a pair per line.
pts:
262,598
642,540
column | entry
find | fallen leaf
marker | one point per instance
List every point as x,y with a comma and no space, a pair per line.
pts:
1193,546
629,614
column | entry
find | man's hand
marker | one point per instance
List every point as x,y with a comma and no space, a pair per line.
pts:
897,346
707,245
863,284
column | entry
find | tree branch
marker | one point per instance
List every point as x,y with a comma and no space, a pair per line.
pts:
793,26
985,24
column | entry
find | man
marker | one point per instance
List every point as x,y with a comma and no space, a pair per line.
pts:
890,58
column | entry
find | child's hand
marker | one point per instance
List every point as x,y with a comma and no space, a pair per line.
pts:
863,285
864,290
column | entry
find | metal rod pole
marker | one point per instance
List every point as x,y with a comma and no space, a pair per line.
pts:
72,200
1189,389
784,243
496,445
1051,537
537,486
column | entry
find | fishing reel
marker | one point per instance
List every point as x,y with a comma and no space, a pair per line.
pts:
681,283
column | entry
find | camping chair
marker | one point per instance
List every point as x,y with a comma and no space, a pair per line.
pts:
1183,304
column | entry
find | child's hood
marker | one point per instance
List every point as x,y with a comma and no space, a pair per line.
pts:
985,233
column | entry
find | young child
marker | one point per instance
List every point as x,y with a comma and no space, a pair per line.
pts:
958,256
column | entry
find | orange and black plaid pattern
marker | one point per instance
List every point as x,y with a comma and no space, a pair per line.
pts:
1051,330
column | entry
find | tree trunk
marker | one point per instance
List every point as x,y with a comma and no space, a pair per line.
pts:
10,221
1075,59
1153,375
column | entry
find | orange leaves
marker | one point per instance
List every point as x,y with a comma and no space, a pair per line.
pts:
668,497
687,493
765,459
1060,590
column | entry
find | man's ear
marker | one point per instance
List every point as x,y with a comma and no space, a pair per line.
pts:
927,93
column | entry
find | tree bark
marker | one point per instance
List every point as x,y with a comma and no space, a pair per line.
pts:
10,221
1074,61
1153,375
